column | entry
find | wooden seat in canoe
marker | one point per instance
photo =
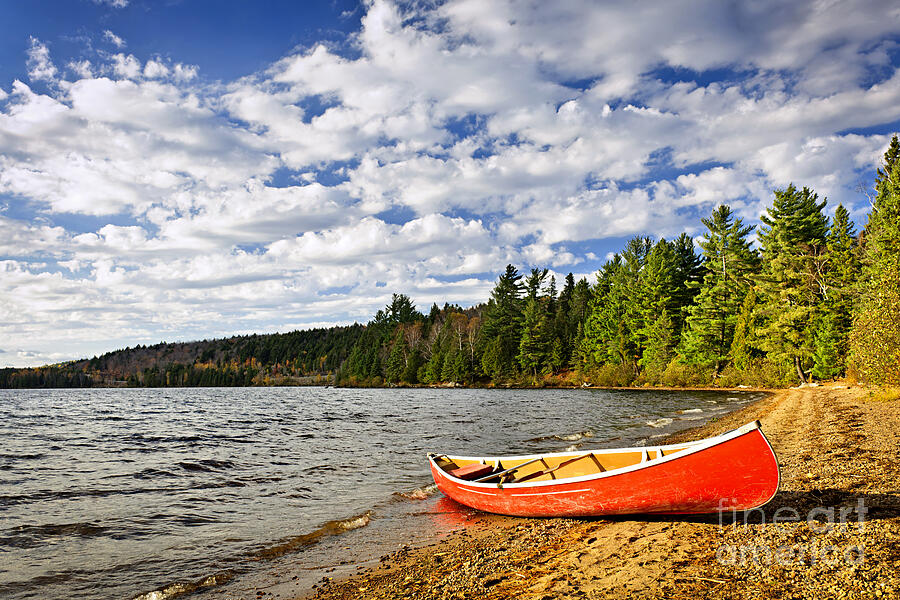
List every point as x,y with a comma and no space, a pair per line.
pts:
471,471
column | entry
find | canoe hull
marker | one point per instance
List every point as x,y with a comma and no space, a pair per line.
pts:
735,473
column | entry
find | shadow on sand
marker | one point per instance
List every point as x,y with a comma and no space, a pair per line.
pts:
793,506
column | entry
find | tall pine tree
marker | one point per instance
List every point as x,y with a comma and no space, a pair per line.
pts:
793,282
396,362
501,330
831,339
658,295
563,331
875,337
729,264
745,345
688,276
614,331
536,341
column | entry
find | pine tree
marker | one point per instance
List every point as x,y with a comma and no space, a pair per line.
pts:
729,264
616,316
744,345
564,328
535,343
875,336
883,173
658,296
434,313
374,371
402,310
557,359
688,276
635,255
839,294
827,362
492,361
660,288
397,359
792,282
534,282
435,365
604,338
448,370
550,295
461,369
660,344
579,309
502,326
411,371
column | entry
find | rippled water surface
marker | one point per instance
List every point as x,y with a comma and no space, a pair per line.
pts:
116,493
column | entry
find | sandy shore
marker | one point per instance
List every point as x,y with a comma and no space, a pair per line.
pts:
839,455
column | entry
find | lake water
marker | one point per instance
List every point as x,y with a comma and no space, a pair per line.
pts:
158,493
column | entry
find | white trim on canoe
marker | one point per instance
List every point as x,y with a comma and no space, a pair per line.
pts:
547,493
687,449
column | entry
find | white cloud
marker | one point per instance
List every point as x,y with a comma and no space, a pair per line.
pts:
82,68
185,73
113,39
370,240
592,214
113,3
155,69
40,66
439,140
21,239
109,146
126,66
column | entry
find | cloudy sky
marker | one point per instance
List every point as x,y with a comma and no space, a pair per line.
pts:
182,170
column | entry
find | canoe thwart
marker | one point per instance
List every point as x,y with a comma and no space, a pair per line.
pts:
508,471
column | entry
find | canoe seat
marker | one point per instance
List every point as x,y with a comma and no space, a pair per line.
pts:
472,471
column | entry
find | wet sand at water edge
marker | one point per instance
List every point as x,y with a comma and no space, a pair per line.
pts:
839,452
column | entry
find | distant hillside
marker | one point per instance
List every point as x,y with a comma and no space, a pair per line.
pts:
295,358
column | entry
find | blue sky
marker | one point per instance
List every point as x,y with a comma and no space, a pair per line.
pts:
192,169
230,38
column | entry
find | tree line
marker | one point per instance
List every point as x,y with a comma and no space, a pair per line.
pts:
812,298
525,328
803,296
297,357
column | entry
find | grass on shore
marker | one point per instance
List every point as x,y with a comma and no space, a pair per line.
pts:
887,394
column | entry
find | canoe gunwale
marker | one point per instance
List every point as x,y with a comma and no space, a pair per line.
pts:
692,448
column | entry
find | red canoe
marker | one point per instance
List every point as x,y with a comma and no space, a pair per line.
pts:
734,471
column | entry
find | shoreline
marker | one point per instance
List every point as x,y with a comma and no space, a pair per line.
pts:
649,388
425,516
671,557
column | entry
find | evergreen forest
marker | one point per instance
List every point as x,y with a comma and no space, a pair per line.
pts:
801,297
